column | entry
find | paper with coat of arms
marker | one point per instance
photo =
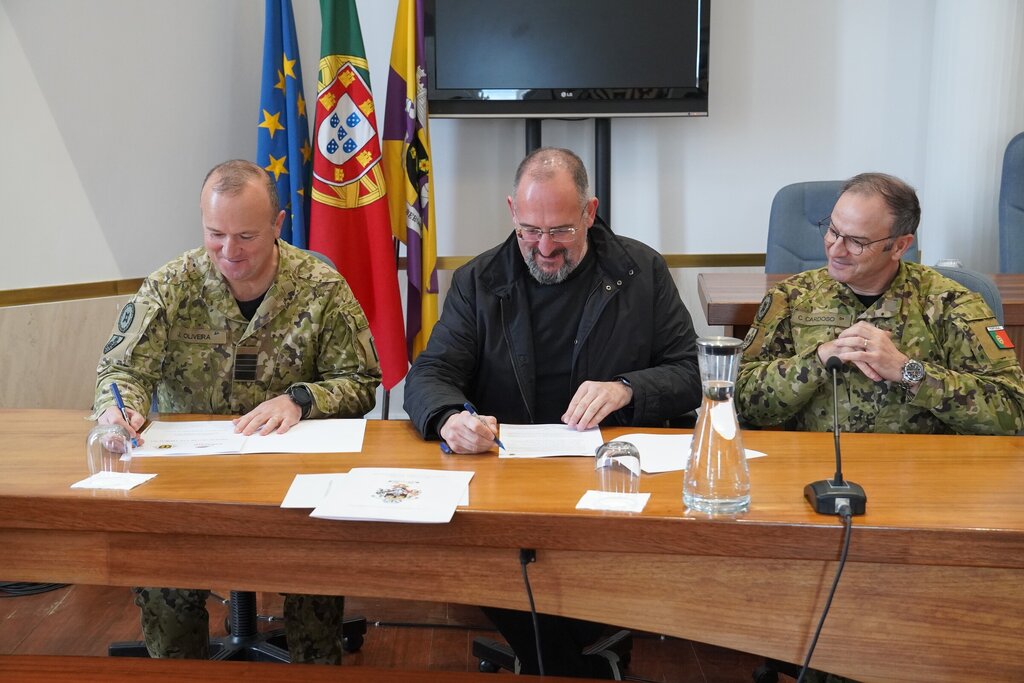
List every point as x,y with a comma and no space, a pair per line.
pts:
379,494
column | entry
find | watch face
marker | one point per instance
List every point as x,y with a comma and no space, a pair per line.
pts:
913,371
301,396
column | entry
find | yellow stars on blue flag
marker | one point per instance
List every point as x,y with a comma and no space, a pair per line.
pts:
282,140
272,122
276,167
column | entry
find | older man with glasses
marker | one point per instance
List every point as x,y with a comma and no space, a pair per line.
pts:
920,353
563,322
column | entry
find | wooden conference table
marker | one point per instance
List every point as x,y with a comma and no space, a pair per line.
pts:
933,591
731,299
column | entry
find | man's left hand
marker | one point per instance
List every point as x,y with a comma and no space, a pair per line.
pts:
595,401
274,415
872,351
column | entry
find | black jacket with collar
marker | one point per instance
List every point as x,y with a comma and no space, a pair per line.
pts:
634,326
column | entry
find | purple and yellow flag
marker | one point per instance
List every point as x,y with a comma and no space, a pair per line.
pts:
408,173
282,141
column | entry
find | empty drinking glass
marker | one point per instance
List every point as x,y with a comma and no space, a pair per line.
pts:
618,467
109,449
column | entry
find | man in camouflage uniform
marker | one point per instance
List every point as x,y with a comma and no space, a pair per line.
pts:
250,326
920,353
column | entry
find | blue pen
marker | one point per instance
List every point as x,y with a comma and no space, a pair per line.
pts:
120,406
472,411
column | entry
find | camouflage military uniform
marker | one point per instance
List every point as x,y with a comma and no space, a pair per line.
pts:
972,385
183,336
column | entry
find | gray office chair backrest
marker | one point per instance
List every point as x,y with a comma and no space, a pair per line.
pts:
1011,208
322,257
977,282
794,241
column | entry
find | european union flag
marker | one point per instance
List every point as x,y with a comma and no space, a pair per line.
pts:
282,145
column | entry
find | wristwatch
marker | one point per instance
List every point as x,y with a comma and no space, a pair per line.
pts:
301,397
913,372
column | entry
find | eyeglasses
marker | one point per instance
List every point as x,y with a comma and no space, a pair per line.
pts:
855,245
561,235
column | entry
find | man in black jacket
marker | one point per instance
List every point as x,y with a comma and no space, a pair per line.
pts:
563,322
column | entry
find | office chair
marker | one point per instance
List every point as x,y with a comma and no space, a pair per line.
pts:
495,656
794,240
244,642
323,257
1011,208
977,282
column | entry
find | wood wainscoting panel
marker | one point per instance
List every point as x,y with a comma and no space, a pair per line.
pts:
50,351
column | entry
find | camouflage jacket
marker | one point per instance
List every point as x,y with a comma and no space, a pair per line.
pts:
972,385
183,336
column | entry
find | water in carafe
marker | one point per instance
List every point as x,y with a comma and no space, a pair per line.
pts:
717,480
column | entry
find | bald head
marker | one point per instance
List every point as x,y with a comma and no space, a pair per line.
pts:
231,178
545,163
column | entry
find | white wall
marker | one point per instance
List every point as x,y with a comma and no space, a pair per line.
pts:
113,110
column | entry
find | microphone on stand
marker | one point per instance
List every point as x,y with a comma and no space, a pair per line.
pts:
827,496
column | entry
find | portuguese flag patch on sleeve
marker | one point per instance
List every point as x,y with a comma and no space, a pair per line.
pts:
1000,337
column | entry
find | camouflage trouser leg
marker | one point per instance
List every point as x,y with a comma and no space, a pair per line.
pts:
312,624
175,623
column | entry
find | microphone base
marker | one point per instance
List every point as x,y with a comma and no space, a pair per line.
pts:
825,497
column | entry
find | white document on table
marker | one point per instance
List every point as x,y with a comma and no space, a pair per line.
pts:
309,490
547,440
614,501
312,436
380,494
667,452
218,437
117,481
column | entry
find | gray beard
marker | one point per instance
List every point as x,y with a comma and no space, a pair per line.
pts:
546,278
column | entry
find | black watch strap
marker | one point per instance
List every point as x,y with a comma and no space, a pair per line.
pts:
301,396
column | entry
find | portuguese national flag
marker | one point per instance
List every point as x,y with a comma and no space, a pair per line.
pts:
349,220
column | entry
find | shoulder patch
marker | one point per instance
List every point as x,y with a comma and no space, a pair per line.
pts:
992,340
113,342
749,339
1000,336
762,310
131,323
124,321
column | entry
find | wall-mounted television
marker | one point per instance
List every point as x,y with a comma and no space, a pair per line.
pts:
566,58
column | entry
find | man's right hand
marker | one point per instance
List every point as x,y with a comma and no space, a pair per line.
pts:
112,416
468,433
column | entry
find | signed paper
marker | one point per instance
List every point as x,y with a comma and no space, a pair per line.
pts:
217,437
547,440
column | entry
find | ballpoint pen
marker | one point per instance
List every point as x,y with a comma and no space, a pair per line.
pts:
120,406
472,411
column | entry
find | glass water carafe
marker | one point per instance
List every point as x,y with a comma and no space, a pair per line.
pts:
716,480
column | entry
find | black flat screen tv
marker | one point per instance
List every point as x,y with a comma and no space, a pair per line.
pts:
566,58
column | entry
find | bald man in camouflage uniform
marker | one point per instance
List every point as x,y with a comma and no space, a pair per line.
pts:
247,325
920,353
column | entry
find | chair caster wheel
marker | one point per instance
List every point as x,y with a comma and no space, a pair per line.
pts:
488,667
352,643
